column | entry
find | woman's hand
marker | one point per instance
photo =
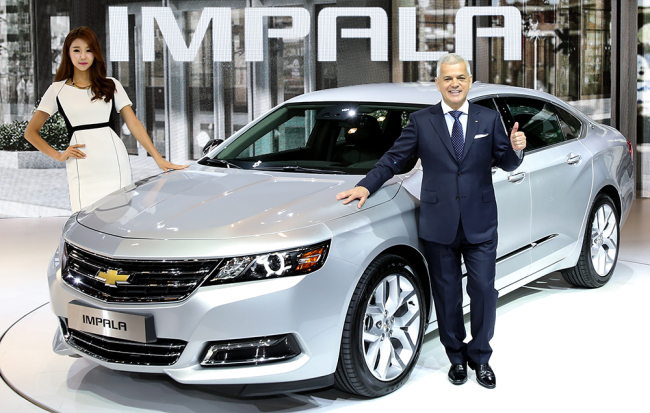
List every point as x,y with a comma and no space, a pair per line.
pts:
141,135
165,165
72,152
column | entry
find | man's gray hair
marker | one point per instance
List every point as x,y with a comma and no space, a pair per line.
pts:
452,59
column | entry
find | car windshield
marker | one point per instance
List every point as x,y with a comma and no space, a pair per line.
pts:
318,138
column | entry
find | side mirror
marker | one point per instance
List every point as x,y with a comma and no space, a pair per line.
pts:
212,143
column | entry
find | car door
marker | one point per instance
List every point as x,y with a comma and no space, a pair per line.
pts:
560,170
512,191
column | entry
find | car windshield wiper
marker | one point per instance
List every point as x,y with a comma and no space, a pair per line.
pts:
220,162
295,168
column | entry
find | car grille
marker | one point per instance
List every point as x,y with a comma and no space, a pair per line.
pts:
148,281
162,352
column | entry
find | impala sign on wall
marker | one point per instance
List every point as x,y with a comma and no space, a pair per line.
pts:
377,33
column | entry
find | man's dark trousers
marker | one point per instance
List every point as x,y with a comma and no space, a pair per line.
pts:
445,268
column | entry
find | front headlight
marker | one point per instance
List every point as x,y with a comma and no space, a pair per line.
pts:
271,265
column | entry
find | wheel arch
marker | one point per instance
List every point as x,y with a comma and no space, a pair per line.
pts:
612,192
608,189
419,264
582,273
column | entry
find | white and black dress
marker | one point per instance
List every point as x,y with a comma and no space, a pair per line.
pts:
106,166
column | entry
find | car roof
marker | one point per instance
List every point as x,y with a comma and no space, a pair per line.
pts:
420,93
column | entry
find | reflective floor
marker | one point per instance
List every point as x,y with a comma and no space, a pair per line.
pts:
556,348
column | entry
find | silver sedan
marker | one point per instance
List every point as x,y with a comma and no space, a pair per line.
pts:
245,272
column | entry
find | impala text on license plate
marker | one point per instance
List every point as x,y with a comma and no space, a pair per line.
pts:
114,324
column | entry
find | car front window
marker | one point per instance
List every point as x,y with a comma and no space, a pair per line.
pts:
291,133
317,138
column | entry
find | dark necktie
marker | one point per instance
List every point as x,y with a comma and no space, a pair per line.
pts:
457,138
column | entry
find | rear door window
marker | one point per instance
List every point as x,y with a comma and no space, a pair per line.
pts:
537,119
486,102
571,126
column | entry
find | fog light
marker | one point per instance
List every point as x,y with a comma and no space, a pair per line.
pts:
253,351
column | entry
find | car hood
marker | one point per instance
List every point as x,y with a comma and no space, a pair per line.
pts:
215,203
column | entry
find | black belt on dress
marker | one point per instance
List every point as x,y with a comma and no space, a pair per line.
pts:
73,129
90,126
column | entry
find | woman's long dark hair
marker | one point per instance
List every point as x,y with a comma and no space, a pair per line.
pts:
101,87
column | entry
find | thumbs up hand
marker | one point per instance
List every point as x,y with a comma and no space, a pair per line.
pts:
517,139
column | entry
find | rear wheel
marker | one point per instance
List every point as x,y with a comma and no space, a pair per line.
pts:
383,331
599,247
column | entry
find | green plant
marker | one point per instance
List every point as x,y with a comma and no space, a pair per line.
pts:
54,131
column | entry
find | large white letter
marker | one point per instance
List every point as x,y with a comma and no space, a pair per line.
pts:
118,29
377,33
511,30
407,40
254,32
221,34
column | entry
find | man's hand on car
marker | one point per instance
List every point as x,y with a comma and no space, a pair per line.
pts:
358,192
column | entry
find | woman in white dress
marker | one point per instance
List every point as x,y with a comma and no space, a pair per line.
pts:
85,97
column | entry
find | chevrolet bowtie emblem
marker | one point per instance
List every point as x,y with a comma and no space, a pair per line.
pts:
111,277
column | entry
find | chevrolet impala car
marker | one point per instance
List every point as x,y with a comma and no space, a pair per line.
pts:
243,271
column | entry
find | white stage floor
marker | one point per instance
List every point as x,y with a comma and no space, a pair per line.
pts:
555,348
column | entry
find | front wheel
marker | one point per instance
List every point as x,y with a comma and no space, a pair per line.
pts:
383,331
599,247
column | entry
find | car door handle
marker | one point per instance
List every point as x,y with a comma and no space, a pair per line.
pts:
518,177
573,159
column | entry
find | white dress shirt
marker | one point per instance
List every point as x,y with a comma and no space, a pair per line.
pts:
450,119
463,120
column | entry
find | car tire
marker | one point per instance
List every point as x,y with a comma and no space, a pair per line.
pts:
600,247
383,331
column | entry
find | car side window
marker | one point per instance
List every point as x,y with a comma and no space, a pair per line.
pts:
490,104
571,125
487,103
537,119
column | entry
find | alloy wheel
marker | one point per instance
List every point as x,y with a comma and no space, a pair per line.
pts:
391,327
604,240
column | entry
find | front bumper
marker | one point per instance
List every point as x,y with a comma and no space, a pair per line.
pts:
311,307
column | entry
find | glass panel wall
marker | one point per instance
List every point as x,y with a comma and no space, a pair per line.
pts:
235,78
643,101
436,32
566,52
125,72
200,94
16,61
353,65
154,95
288,58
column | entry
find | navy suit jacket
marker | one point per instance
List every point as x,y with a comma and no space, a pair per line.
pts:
452,192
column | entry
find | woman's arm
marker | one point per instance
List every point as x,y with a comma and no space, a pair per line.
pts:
140,133
31,134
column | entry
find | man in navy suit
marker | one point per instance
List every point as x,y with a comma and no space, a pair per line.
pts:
458,143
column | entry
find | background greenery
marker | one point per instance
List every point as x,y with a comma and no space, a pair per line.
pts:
12,135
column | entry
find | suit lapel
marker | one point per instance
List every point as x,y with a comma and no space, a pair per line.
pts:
472,127
440,126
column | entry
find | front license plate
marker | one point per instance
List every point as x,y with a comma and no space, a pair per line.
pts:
111,323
